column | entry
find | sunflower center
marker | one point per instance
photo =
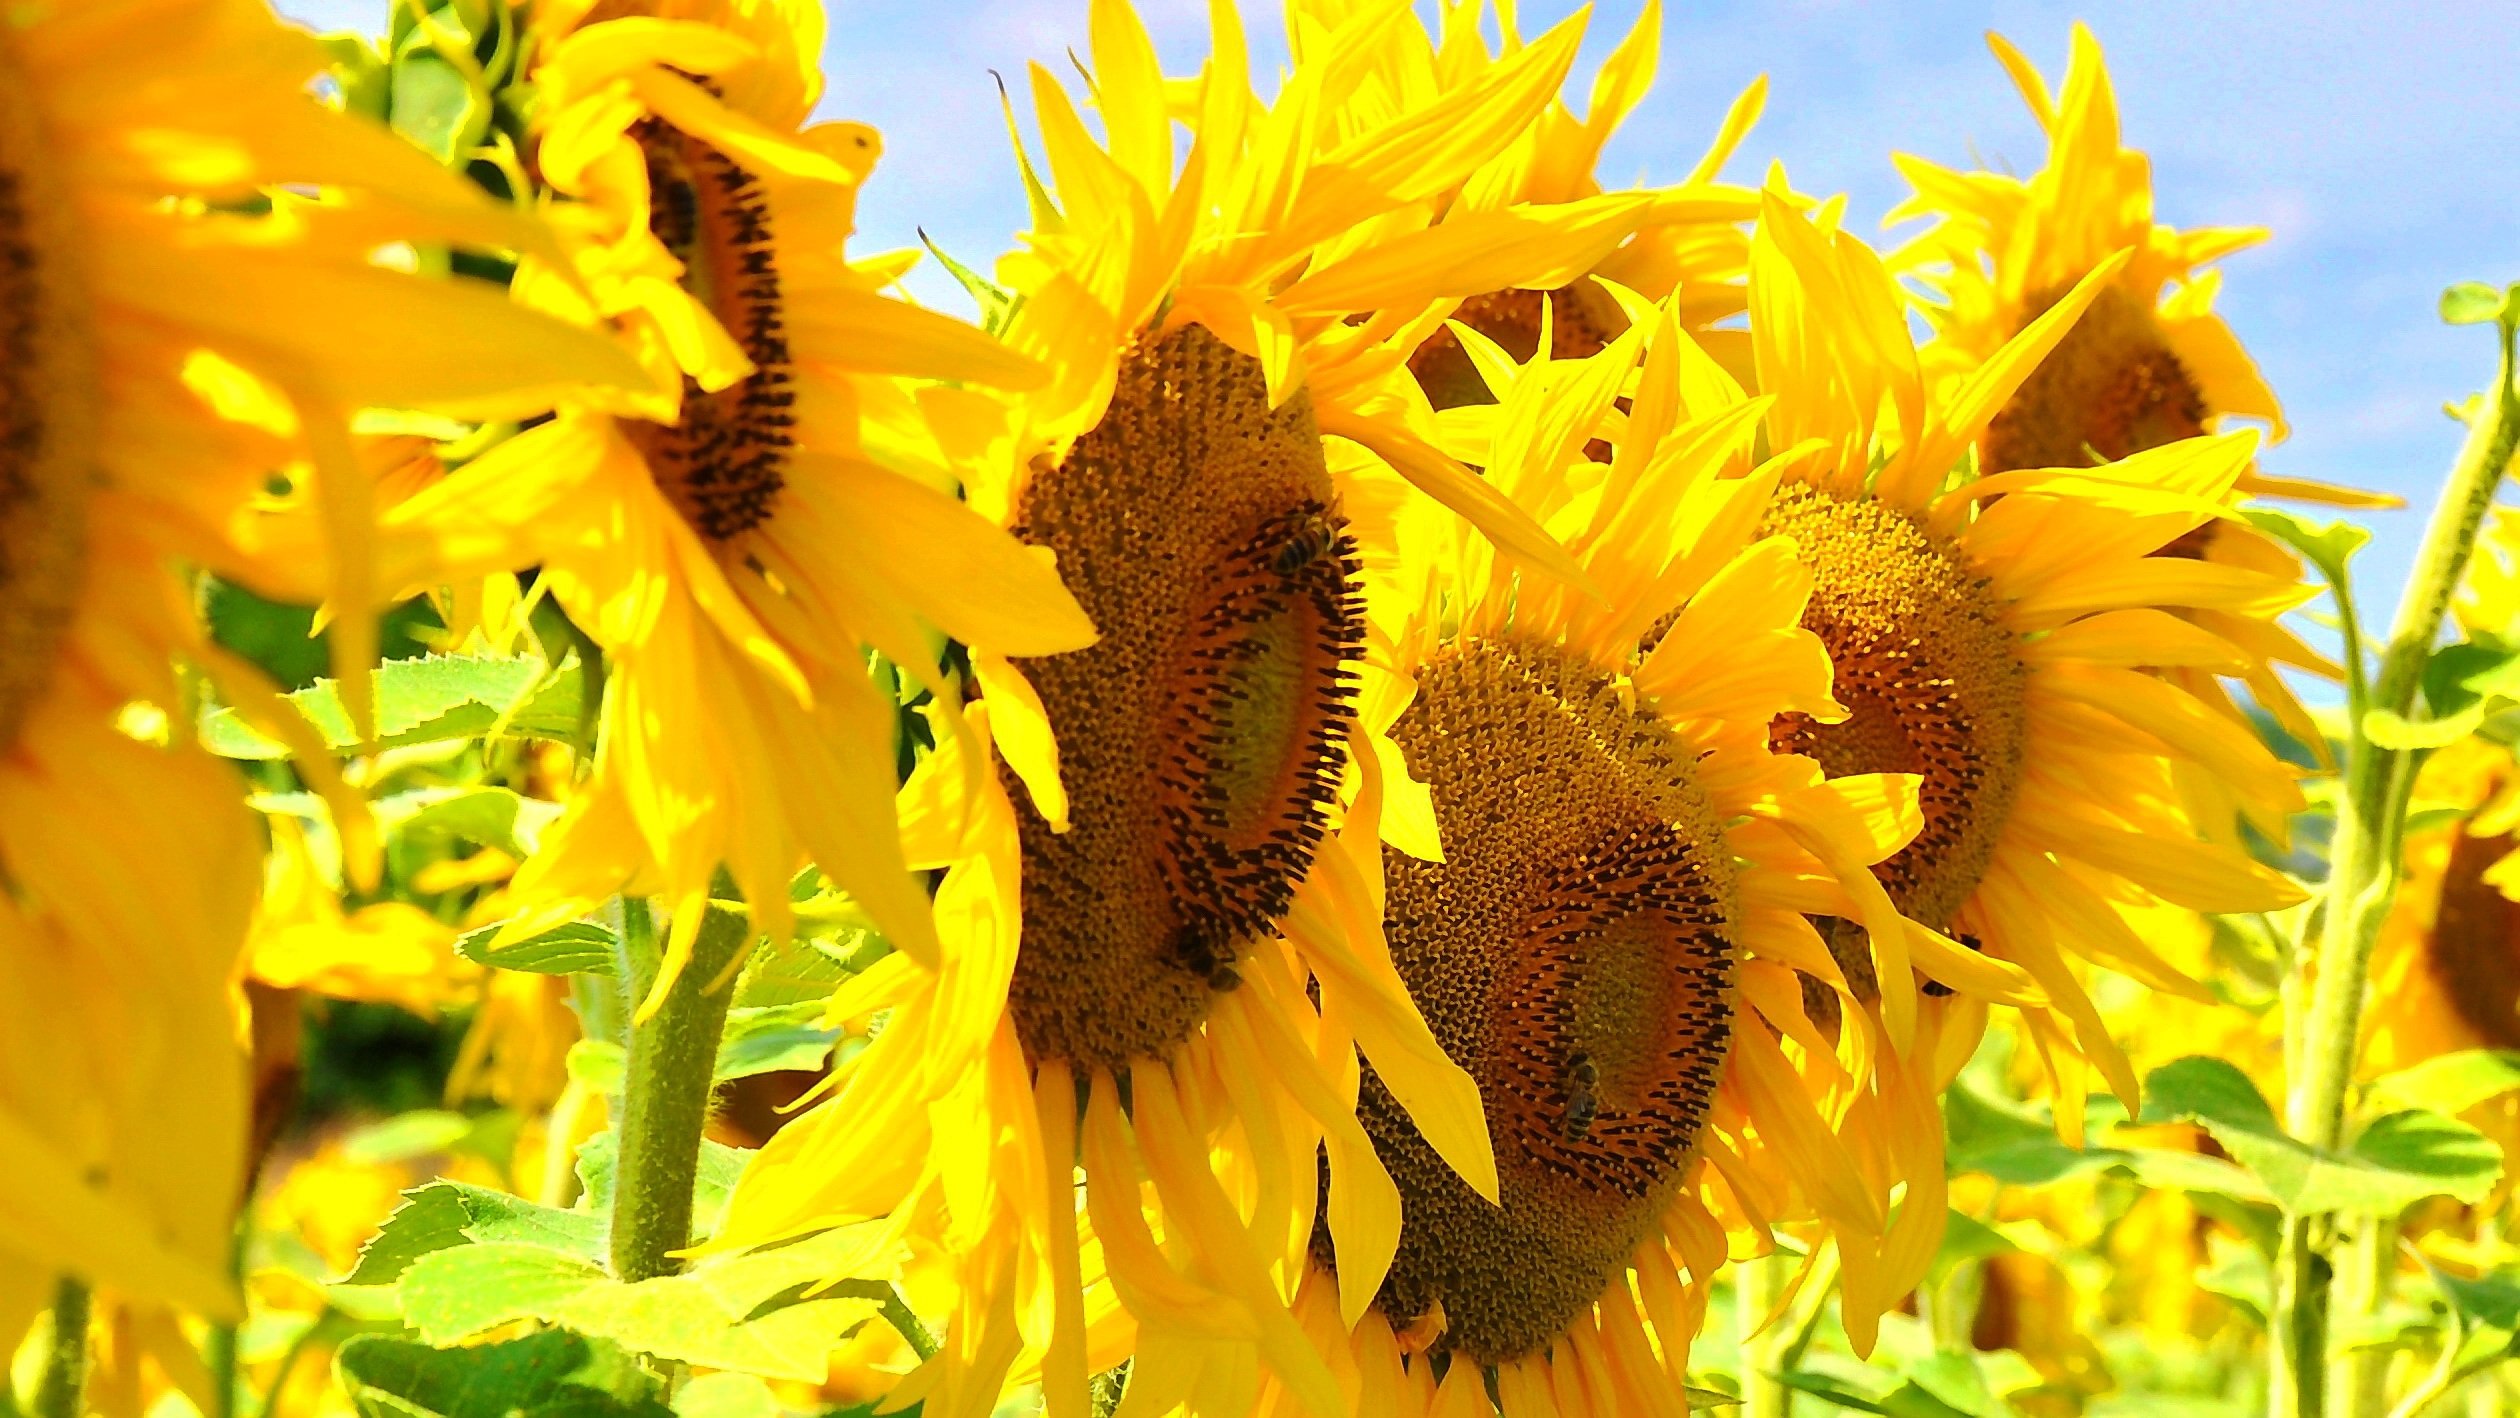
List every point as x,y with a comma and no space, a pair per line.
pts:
1202,738
2110,388
2475,943
723,463
1928,675
1573,952
47,410
1581,328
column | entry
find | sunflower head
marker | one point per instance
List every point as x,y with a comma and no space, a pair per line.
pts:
1575,948
1930,677
1201,740
2150,363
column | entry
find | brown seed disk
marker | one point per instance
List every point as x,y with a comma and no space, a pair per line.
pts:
1584,319
2110,388
2474,949
1574,953
48,396
1201,740
1929,676
723,464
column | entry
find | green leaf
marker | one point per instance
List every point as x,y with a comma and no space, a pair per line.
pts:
2398,1161
444,1214
2418,1153
678,1318
1708,1398
578,947
773,1040
457,1293
430,1218
2473,303
2330,546
550,1374
2450,1083
426,700
487,816
437,108
2457,675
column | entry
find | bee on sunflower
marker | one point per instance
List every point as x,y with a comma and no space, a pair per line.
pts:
2149,363
170,197
1152,968
1993,633
740,533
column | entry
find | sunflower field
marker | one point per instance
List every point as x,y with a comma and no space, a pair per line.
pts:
1382,778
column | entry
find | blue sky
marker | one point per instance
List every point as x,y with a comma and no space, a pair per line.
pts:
2376,141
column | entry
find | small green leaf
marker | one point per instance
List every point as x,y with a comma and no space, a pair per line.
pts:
599,1066
2416,1154
443,1214
431,1218
1709,1398
773,1040
677,1318
427,700
549,1374
486,816
2450,1083
2399,1160
2472,303
578,947
2329,545
436,107
457,1293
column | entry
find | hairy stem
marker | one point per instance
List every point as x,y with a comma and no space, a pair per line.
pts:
665,1099
1759,1284
2362,882
62,1391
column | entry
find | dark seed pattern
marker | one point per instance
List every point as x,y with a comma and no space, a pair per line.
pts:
47,395
1202,739
1574,953
2111,387
1928,673
725,462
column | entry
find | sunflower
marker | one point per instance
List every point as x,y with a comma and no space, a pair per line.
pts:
738,535
1695,245
1991,634
1599,903
150,395
2447,973
1152,969
2147,364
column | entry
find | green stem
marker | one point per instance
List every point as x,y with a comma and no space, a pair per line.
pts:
62,1391
2358,1377
1757,1285
665,1100
2362,879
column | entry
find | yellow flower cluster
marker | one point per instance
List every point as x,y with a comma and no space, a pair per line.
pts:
1480,749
